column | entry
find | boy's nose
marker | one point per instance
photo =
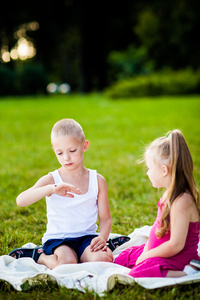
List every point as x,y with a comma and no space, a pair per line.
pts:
66,156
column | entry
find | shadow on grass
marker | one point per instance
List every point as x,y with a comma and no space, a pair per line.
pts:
47,288
135,291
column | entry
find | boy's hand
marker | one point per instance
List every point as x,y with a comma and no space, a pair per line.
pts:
98,243
64,189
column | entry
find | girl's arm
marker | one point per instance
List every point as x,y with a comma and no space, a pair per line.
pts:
180,217
44,187
105,222
145,247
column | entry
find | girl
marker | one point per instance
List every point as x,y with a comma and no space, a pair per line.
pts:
174,236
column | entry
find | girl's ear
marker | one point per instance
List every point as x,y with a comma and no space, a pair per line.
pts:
165,170
86,145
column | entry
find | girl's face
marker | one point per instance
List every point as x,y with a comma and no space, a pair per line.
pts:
69,151
156,172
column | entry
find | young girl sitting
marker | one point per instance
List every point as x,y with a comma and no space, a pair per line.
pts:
174,236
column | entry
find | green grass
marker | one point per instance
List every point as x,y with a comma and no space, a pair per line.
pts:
118,132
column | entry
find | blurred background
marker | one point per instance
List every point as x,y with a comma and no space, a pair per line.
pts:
83,46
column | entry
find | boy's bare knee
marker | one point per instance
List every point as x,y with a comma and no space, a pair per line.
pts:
52,261
58,262
105,256
65,260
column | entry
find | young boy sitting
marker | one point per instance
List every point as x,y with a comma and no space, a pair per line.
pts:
75,198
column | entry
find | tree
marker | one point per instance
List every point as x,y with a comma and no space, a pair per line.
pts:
75,37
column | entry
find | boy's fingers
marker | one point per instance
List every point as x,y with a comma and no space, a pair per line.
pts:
69,195
76,191
73,189
93,244
97,245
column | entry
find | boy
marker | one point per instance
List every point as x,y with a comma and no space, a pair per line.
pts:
75,197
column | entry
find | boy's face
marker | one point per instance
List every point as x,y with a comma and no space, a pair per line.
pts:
69,151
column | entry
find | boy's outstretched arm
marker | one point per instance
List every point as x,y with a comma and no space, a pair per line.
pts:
105,221
45,187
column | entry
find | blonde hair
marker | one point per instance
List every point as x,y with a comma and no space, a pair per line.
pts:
173,150
68,127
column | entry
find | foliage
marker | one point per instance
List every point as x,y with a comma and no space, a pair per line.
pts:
7,81
117,132
147,28
182,82
28,79
164,29
130,62
75,38
33,79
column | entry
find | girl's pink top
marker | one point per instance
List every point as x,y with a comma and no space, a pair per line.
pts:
191,240
159,266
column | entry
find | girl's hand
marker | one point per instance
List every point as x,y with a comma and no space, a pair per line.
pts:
64,189
98,243
141,258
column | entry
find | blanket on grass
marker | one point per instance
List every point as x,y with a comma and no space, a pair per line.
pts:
93,276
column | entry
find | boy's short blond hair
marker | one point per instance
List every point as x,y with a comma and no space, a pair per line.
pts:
67,127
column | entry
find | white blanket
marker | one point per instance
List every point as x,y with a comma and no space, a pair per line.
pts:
95,276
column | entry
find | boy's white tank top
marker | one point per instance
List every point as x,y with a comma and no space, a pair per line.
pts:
72,217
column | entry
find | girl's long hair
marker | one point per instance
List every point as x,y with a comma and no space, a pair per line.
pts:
173,149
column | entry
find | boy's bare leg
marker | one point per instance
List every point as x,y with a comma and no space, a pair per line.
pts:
62,255
89,256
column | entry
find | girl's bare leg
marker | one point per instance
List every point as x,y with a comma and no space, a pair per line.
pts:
175,274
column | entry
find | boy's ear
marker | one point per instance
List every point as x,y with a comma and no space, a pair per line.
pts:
86,145
165,170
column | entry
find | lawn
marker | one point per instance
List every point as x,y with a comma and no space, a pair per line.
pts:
118,132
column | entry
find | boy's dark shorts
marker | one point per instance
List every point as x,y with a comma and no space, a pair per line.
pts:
77,244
